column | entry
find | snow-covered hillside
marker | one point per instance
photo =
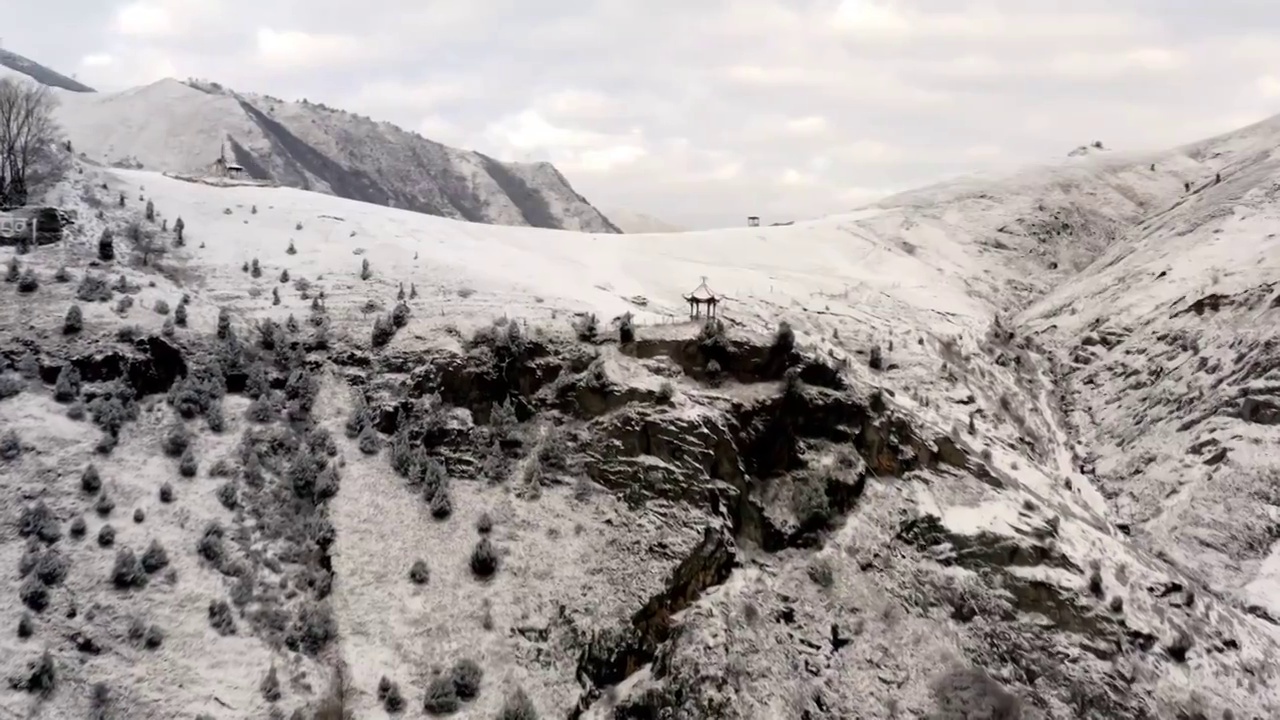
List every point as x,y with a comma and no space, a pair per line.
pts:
1001,447
171,126
635,223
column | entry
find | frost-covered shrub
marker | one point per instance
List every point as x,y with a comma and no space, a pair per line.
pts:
34,594
484,559
227,496
390,697
587,327
400,315
176,440
29,282
188,466
10,384
383,330
90,479
104,505
466,676
210,546
442,697
94,288
68,386
313,629
419,574
127,571
38,521
74,320
161,307
270,686
155,558
106,536
220,618
10,445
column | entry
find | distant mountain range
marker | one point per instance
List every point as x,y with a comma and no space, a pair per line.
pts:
185,126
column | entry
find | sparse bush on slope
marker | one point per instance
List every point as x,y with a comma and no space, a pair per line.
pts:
67,387
442,697
38,521
389,695
74,321
127,572
466,676
106,246
94,288
10,445
29,282
10,384
484,559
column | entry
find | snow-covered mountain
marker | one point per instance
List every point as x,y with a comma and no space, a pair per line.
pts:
16,63
173,126
999,448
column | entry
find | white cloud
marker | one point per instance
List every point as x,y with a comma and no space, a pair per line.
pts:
1269,86
808,125
146,19
896,21
296,49
1103,65
97,60
169,20
868,152
708,111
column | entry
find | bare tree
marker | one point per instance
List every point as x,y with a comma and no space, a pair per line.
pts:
146,245
29,157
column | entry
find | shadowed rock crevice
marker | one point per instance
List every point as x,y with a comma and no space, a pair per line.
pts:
149,365
612,656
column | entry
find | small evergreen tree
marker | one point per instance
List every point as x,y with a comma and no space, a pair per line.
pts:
74,321
107,245
365,272
178,228
151,211
68,385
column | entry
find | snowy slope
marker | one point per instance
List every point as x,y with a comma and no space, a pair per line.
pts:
635,223
179,127
11,62
1095,342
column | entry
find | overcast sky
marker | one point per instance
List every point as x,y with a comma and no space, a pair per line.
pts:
701,112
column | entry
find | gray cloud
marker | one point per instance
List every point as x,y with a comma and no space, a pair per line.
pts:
702,113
